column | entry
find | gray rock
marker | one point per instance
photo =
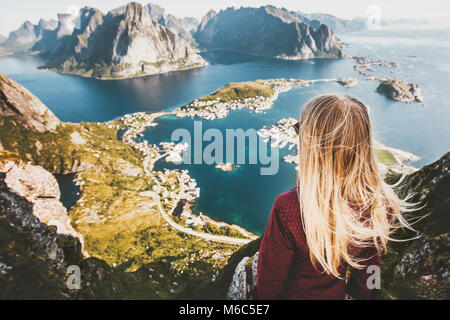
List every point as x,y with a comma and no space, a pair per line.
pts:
124,43
41,189
244,279
27,109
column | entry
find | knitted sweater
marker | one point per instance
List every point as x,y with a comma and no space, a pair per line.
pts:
285,270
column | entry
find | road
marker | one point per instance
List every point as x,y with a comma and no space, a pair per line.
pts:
206,236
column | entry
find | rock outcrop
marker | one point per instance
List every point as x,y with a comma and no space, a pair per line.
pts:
34,260
25,108
28,34
266,31
41,189
171,22
401,90
123,43
208,17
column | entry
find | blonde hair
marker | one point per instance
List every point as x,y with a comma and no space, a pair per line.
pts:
345,204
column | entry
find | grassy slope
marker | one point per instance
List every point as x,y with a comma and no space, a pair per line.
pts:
119,226
241,90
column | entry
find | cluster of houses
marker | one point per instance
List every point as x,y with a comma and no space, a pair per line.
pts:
173,151
281,134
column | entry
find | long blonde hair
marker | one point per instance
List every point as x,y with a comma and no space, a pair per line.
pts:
344,201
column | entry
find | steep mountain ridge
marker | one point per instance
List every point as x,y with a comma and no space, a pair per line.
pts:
123,43
266,31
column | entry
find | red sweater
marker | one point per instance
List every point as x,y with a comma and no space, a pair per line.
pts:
285,270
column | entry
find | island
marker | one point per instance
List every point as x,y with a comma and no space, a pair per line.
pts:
255,96
399,90
227,166
364,65
347,82
283,134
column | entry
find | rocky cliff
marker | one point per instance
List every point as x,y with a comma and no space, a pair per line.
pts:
24,108
266,31
178,26
123,43
190,23
40,188
24,34
34,256
400,90
419,269
50,41
28,34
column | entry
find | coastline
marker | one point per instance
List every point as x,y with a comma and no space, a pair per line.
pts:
55,70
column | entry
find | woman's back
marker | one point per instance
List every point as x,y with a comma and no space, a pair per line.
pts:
284,267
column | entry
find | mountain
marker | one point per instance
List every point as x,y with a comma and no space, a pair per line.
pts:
337,24
209,16
25,34
123,43
30,246
28,33
49,37
24,108
190,23
45,26
22,39
171,22
266,31
54,42
159,15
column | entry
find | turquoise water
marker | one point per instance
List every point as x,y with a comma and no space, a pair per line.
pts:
244,196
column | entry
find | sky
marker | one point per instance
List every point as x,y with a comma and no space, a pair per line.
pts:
14,13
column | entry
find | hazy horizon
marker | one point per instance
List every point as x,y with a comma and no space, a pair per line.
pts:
48,9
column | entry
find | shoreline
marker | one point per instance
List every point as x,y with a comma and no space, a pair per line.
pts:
54,70
134,125
401,157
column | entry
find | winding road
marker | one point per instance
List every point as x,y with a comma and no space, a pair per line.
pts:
206,236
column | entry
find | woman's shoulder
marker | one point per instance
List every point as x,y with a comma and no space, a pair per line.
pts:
287,204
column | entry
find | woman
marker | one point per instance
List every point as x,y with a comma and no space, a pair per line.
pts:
339,218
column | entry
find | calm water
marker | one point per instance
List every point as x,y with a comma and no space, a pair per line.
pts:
243,196
69,190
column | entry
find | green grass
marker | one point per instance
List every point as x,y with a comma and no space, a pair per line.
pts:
385,156
241,90
119,226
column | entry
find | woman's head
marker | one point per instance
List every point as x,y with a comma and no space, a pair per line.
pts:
344,201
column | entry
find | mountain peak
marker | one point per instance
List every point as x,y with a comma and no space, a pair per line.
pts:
273,31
